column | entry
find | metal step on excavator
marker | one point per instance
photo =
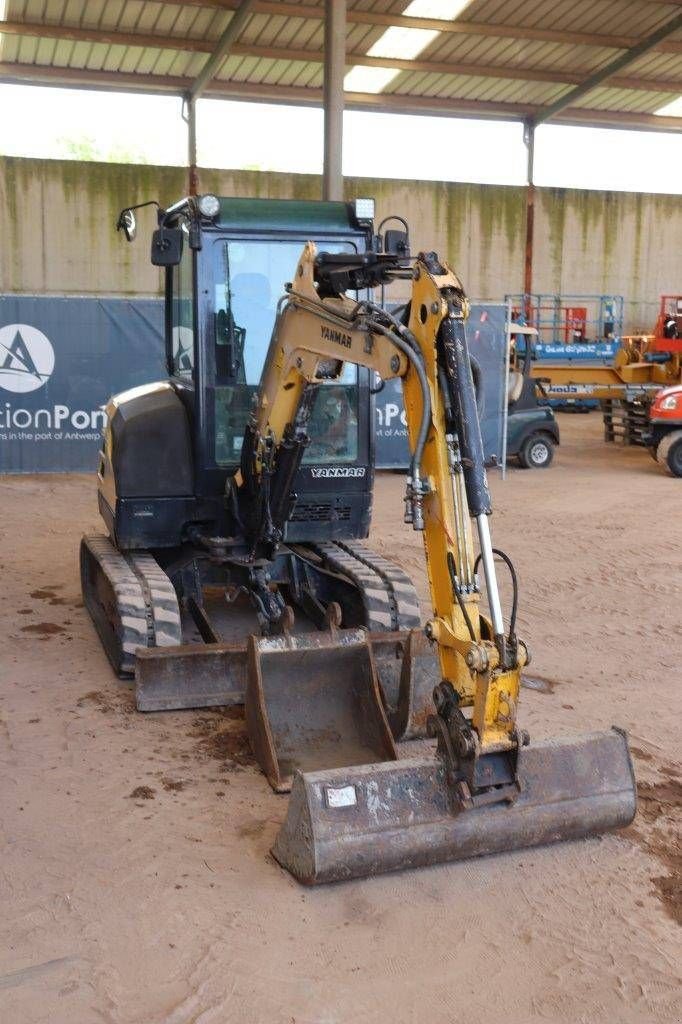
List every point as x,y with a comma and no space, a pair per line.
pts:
325,706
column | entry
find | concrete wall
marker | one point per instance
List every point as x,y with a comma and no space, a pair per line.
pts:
57,217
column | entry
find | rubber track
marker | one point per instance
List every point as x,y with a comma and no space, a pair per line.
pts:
163,613
130,632
147,606
388,596
401,587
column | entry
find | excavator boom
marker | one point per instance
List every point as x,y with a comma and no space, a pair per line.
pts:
314,707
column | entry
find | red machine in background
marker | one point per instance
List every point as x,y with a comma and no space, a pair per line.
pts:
575,324
664,438
668,329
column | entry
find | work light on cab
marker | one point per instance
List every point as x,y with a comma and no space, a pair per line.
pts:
364,209
209,206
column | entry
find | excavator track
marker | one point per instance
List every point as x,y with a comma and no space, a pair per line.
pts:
131,601
388,595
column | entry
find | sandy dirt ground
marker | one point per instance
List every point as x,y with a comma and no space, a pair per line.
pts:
136,885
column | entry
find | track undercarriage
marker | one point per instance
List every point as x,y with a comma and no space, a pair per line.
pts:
178,621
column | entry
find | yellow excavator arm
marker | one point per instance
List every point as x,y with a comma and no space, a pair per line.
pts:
319,329
483,792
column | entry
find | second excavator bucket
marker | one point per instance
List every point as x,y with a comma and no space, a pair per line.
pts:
313,702
407,668
354,822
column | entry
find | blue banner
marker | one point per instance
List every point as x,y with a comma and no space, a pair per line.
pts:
487,339
60,360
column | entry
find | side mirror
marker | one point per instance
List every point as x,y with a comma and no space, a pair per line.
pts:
167,247
127,224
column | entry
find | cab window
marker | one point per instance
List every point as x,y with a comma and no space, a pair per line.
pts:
250,281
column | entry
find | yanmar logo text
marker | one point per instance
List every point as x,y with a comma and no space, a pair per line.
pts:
338,337
336,472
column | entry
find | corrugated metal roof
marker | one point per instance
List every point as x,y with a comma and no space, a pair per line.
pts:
499,58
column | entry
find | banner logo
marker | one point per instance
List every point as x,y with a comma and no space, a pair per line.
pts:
26,358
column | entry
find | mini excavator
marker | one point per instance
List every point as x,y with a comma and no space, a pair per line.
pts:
320,705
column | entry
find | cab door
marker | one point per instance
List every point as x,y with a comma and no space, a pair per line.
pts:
238,310
181,329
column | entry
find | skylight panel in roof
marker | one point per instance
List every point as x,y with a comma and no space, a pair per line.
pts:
401,44
444,10
361,79
672,109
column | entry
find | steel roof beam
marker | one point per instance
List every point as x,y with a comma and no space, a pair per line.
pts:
36,74
512,73
612,68
212,66
108,37
457,27
222,49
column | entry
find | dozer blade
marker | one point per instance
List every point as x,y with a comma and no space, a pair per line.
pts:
313,703
190,676
354,822
205,675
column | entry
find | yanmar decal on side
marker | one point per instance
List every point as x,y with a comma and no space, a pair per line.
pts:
337,472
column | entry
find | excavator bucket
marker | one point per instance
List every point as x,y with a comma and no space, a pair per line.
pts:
408,670
313,702
347,823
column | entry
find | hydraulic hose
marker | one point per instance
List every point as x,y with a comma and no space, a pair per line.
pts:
416,360
458,373
458,596
403,331
515,585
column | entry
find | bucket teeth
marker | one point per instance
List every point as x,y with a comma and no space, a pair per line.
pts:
355,822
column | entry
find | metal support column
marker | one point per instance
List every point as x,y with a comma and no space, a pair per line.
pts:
190,116
334,72
210,69
529,139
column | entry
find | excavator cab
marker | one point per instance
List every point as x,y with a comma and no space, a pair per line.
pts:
226,263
